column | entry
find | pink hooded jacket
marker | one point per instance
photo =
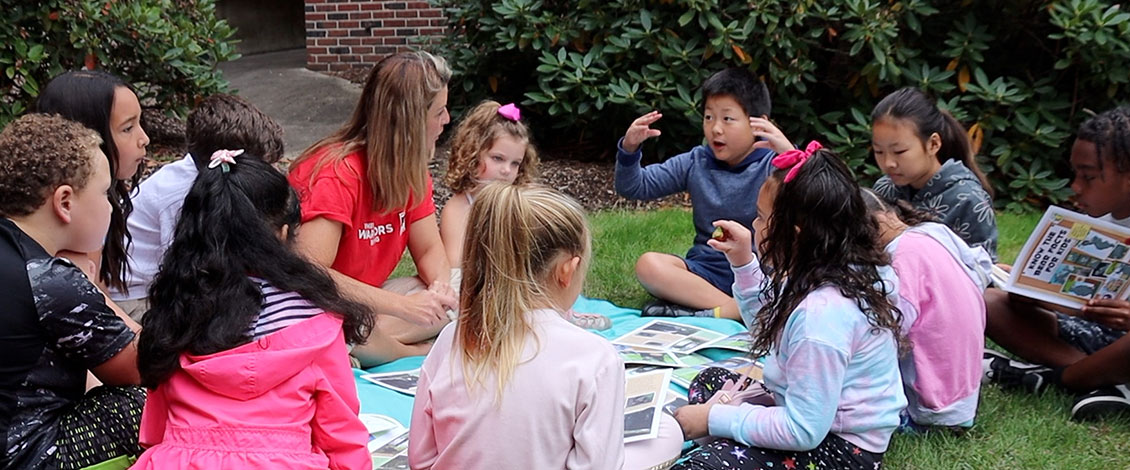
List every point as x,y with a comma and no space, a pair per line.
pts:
286,400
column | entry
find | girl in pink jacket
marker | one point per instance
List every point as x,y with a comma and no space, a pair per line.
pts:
246,366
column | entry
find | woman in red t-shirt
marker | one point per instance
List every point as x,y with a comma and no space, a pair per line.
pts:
366,195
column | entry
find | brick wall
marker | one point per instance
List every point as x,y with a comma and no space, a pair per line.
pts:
342,34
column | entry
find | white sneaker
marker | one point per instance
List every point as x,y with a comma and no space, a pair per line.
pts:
590,321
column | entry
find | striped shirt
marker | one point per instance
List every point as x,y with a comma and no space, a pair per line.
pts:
280,310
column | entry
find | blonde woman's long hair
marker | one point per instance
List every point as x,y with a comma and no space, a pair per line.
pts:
519,232
475,135
390,126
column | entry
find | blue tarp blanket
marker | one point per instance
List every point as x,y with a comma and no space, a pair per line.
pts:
380,400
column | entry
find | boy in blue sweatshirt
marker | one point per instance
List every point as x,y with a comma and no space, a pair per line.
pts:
723,178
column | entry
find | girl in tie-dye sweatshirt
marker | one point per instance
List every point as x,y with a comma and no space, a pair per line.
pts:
823,311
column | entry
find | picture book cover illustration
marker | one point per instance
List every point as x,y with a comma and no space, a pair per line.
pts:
1070,258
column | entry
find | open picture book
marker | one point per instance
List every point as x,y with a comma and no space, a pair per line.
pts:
1070,258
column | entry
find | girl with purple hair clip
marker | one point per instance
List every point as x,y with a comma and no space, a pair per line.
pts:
490,144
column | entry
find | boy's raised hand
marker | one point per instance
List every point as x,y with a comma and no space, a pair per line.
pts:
736,242
771,137
640,131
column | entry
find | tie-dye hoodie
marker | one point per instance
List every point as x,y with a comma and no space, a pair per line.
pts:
832,372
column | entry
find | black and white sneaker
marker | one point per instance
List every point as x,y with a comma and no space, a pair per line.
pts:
1011,374
1102,402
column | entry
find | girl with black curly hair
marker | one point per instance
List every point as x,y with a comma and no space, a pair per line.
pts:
822,312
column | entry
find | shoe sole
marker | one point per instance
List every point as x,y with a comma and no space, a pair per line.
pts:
1089,409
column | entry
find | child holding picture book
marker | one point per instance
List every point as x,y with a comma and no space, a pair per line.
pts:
1083,350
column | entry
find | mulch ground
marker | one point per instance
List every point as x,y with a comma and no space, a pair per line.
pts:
590,183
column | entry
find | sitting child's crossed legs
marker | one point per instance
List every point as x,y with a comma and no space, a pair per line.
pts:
667,277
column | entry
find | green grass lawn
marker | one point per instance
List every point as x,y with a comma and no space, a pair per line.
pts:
1012,431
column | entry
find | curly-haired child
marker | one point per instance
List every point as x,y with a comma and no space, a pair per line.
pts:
490,144
1084,351
54,181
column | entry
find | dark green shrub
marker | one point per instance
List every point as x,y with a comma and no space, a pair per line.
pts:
1021,75
168,49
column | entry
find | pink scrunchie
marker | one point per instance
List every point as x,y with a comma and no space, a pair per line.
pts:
795,159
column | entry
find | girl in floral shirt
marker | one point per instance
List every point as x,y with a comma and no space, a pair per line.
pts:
928,161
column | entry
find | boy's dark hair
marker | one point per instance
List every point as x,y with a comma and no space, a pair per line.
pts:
748,90
1110,132
913,105
203,300
87,97
820,235
38,153
228,122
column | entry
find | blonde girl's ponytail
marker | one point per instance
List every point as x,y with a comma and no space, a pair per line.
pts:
518,232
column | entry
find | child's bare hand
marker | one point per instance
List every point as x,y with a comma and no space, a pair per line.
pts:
426,308
448,297
736,243
694,419
1112,313
446,294
772,137
640,131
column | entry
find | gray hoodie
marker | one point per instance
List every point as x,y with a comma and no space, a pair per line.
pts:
955,196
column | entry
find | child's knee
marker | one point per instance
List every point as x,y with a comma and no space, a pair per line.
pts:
651,264
996,300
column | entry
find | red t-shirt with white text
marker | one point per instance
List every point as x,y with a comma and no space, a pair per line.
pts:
371,243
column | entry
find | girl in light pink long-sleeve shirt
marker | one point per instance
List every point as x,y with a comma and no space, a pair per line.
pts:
513,384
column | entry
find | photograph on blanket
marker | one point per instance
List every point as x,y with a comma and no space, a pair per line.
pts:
382,429
645,394
670,336
393,455
739,364
403,382
647,356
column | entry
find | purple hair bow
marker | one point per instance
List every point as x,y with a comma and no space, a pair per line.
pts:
795,159
510,111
